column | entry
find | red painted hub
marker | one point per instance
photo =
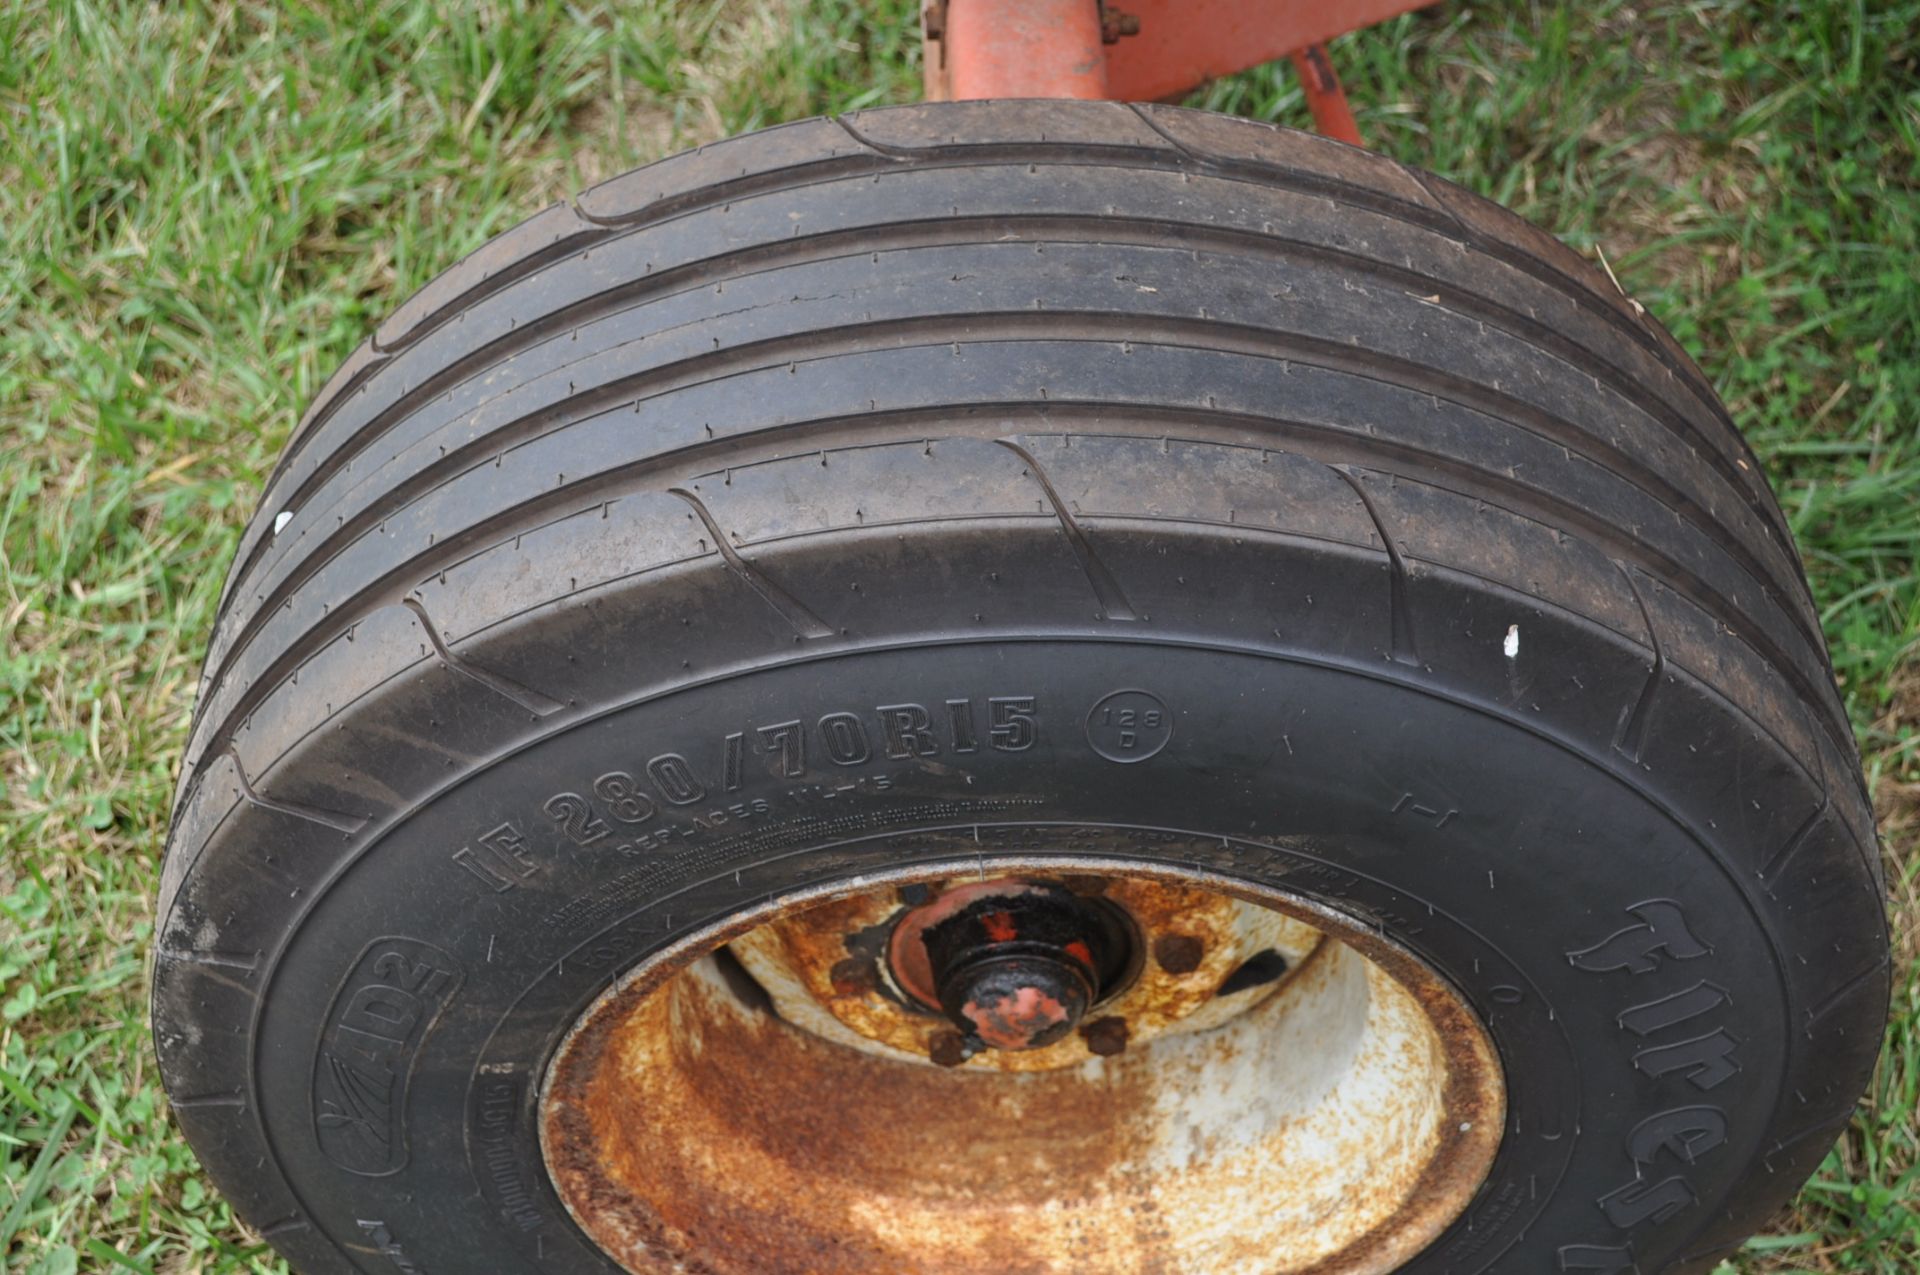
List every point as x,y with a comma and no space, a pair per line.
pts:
1013,964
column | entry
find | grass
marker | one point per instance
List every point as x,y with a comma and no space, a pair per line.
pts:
205,207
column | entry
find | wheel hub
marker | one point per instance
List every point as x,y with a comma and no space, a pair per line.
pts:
1013,964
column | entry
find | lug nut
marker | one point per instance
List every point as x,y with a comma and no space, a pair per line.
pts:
853,977
1178,953
950,1048
1105,1037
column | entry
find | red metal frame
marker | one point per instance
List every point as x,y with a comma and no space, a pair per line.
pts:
1020,48
1148,51
1325,98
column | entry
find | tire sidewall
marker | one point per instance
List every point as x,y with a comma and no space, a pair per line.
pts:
1523,870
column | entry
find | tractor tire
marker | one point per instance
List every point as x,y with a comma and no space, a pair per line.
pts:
805,506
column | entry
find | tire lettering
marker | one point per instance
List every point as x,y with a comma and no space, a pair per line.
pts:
1601,1259
1662,929
496,1106
482,871
1705,1058
1685,1133
1706,1061
674,780
575,816
622,795
908,731
1012,722
960,714
732,758
1129,726
379,1016
845,738
1670,1011
411,976
503,859
617,803
1425,813
1638,1202
787,741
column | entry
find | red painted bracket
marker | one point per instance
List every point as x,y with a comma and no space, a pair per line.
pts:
1139,50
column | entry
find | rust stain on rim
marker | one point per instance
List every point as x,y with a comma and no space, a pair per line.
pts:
1333,1124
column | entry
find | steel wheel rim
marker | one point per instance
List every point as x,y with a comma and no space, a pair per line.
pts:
1227,1146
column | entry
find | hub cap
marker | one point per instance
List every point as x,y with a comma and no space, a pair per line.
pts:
1012,964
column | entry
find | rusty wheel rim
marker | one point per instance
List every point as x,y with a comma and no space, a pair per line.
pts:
1258,1083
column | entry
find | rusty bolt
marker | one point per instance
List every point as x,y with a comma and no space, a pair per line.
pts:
950,1049
1114,24
1178,953
1105,1037
854,977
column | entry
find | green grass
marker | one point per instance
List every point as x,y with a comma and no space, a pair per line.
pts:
203,209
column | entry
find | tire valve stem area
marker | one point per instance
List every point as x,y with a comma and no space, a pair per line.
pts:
1019,970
